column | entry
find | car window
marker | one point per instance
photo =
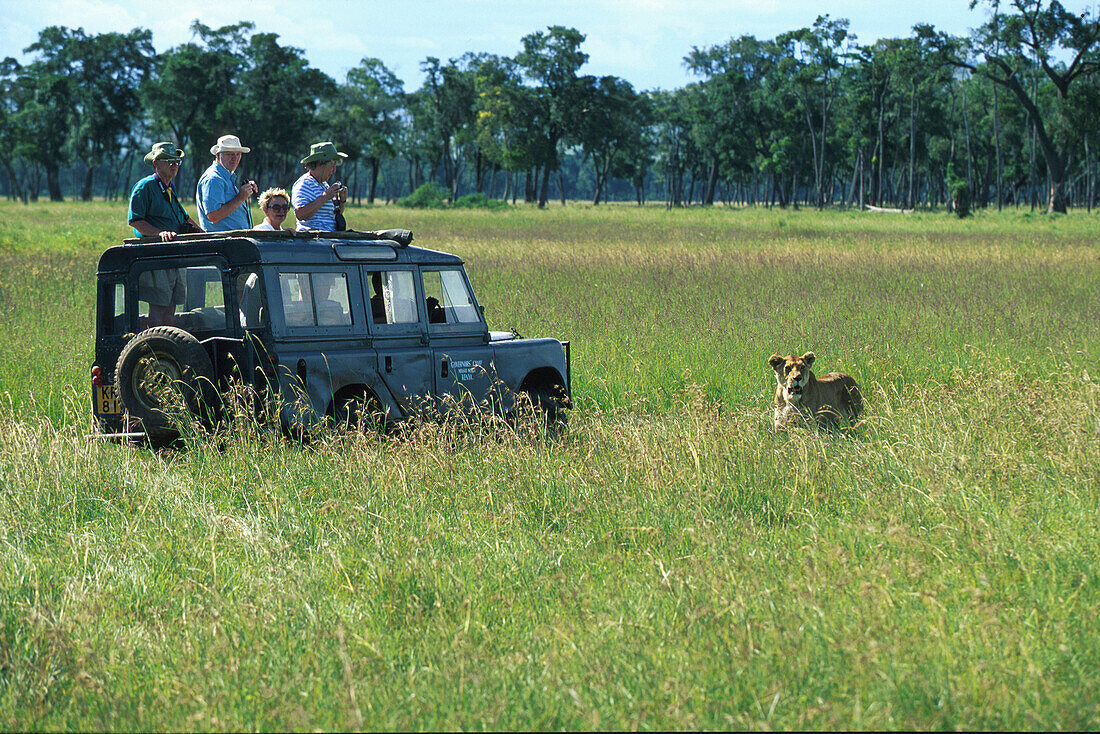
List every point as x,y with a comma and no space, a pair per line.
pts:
315,299
392,297
190,298
448,298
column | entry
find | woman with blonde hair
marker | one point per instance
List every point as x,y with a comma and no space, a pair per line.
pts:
275,203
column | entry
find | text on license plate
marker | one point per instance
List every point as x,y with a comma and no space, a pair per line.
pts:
106,400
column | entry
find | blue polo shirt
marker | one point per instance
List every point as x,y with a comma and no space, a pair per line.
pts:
216,188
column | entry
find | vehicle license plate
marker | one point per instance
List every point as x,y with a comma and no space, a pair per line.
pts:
106,400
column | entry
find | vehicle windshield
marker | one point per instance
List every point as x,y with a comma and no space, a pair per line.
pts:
448,298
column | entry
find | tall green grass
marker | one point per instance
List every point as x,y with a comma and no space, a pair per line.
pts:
669,562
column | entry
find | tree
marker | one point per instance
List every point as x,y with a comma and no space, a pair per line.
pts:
379,95
491,75
552,59
1034,37
447,109
12,133
509,124
918,66
193,90
812,59
274,106
728,105
49,98
106,70
676,153
607,126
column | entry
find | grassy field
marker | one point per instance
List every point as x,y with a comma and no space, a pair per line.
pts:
668,563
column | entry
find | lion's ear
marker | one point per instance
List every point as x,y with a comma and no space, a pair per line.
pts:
808,358
775,361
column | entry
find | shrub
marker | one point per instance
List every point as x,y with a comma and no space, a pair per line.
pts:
960,193
427,196
479,201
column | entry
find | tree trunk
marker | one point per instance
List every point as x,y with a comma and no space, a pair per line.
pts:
912,145
879,172
1089,180
544,188
89,178
19,192
53,182
712,183
372,189
530,185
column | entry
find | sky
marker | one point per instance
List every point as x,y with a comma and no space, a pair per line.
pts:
642,41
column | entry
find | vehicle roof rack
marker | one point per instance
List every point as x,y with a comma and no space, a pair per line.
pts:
399,237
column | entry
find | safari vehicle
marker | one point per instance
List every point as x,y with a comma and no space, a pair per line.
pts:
322,325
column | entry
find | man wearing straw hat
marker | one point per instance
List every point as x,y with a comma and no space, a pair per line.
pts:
222,204
315,201
155,208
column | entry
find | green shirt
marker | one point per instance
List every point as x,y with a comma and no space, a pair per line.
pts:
157,204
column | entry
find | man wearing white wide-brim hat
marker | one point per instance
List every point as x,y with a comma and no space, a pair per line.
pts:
222,204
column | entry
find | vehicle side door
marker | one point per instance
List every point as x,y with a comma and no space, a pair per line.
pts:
399,334
462,367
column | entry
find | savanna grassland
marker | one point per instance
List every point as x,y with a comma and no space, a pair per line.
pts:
669,562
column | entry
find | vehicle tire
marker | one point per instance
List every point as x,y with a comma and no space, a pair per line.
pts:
550,402
159,372
358,412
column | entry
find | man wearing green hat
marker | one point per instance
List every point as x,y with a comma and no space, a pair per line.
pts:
315,201
155,209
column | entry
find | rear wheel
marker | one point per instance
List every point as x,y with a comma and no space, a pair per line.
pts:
162,373
359,412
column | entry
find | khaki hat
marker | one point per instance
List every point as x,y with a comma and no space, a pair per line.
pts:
229,144
163,152
321,152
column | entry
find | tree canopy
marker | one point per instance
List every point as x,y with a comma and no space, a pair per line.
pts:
812,116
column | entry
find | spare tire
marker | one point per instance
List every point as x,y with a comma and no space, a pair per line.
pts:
160,371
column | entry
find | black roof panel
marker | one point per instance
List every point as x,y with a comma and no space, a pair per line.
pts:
290,248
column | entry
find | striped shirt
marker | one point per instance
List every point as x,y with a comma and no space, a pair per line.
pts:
307,189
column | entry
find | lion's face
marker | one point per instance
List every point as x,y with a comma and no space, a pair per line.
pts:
792,372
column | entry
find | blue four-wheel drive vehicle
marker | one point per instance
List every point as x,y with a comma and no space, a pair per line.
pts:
324,326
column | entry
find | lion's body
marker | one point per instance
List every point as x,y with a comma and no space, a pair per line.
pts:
800,395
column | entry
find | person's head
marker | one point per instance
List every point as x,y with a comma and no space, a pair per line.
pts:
165,159
228,150
275,203
376,282
323,159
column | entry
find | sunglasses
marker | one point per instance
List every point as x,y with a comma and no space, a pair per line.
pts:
279,207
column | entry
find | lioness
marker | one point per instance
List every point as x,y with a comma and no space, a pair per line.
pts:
800,395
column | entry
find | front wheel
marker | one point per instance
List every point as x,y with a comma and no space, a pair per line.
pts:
551,403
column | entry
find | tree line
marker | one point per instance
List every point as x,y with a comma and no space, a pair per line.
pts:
1007,116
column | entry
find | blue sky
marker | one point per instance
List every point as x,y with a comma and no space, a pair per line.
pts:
643,41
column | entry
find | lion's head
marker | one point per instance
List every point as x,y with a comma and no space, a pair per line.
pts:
792,372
